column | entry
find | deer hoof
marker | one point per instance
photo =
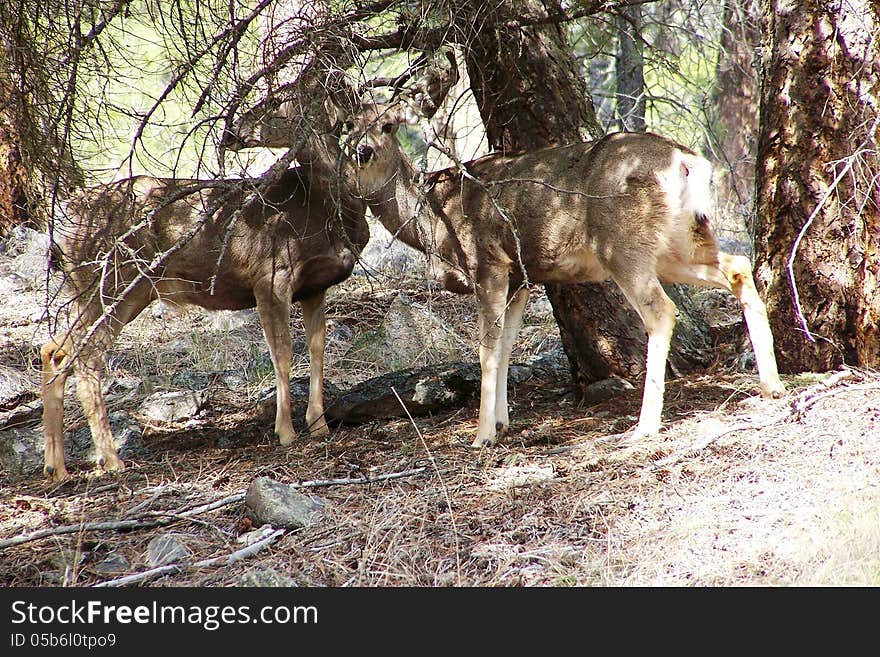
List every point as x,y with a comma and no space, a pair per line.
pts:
479,443
111,464
775,390
55,474
320,429
286,439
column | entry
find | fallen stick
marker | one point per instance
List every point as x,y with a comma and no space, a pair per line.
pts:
804,401
162,518
117,525
226,560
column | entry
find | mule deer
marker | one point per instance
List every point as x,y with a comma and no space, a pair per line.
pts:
128,243
633,207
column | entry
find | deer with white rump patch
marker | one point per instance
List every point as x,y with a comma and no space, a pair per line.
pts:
632,207
221,245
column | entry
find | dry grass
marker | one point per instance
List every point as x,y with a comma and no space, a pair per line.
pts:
735,491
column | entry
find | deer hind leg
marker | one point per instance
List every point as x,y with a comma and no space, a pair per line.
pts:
737,272
491,301
516,305
274,311
55,359
658,314
316,333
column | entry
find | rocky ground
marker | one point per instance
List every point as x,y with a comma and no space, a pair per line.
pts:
735,491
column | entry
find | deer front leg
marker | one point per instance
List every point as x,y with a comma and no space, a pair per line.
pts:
315,324
738,272
54,358
512,323
274,311
491,299
89,373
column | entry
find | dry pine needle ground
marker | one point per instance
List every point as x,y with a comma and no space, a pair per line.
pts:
735,491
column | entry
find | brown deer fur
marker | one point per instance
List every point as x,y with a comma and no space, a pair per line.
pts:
630,207
283,244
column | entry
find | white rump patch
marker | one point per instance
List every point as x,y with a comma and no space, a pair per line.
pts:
688,184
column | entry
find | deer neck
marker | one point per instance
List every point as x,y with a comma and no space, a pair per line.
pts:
401,207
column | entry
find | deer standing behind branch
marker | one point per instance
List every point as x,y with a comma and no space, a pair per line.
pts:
221,245
633,207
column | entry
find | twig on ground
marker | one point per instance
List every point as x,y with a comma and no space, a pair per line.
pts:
442,485
806,399
117,525
225,560
162,518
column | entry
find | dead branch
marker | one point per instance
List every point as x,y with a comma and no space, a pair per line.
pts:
118,525
804,401
225,560
163,518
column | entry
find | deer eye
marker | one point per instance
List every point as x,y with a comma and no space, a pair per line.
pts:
388,128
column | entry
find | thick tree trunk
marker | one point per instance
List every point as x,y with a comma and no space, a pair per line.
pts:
817,187
734,111
530,95
631,101
13,175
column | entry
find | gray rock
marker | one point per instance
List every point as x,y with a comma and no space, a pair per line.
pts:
551,365
15,387
29,252
414,335
385,255
605,389
175,406
127,436
267,577
113,564
21,449
539,306
166,549
423,390
281,505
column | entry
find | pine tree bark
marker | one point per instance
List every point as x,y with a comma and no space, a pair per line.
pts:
817,186
13,174
631,101
734,108
531,95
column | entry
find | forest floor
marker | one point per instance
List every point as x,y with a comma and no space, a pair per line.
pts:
736,490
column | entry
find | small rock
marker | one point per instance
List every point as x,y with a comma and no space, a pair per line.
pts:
166,549
387,255
113,565
175,406
281,505
15,387
605,389
127,436
414,335
267,577
21,449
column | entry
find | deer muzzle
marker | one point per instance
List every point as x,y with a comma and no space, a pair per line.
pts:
364,154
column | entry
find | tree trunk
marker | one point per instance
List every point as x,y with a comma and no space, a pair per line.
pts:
817,188
631,101
13,175
734,112
530,95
